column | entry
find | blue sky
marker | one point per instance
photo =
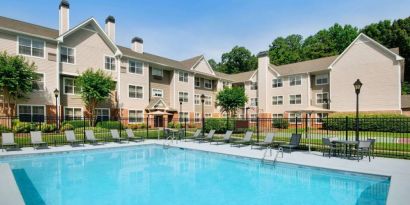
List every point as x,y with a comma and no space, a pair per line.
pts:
181,29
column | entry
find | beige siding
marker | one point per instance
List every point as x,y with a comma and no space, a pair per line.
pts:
315,89
183,87
378,71
164,84
203,67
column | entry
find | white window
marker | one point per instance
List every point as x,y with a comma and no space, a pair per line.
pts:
31,113
135,91
322,79
109,63
208,115
197,117
293,116
197,99
70,87
157,92
67,55
295,80
295,99
135,116
320,117
276,83
183,76
31,47
183,116
135,67
277,100
254,101
158,72
38,84
73,113
321,98
197,82
277,115
208,100
254,117
254,85
183,96
207,84
102,114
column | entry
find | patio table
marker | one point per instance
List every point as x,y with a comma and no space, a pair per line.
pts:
348,144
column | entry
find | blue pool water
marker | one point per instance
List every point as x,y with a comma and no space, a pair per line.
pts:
153,175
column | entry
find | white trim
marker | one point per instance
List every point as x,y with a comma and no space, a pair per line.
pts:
199,97
142,67
295,99
281,81
183,93
44,82
102,108
136,110
158,89
210,83
277,96
207,63
195,82
74,86
31,48
183,76
128,89
74,53
274,70
321,75
322,93
27,34
210,100
295,76
115,62
68,107
156,68
31,105
289,118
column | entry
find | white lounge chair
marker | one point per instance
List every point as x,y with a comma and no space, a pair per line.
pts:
206,138
247,139
131,136
226,138
7,140
116,136
89,136
70,136
36,140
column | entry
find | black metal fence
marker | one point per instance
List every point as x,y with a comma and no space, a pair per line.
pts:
392,135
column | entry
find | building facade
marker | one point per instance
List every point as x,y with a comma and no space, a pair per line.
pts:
163,89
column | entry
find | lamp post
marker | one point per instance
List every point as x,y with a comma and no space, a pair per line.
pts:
180,110
203,115
327,119
56,93
357,86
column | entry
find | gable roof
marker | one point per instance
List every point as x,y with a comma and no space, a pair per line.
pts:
305,66
27,28
191,62
242,77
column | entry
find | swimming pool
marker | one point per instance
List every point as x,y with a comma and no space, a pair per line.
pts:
150,174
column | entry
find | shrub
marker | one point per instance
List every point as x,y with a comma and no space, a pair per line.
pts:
77,123
219,125
136,126
67,127
368,122
24,127
4,128
109,124
174,125
280,123
47,127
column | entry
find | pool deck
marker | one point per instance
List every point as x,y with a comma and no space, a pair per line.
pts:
397,169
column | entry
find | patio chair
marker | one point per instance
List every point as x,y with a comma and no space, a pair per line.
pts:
293,143
90,137
70,136
364,147
132,137
206,138
247,139
267,142
373,143
196,135
116,136
225,139
36,140
7,140
329,146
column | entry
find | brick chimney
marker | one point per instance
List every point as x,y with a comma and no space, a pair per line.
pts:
110,27
137,45
64,16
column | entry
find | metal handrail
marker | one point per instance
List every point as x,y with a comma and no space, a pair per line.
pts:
172,138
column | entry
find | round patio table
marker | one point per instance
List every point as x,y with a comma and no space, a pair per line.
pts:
348,144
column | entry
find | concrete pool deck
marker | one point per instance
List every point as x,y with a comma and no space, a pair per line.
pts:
397,169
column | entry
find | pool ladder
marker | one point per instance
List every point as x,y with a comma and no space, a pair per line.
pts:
269,148
167,143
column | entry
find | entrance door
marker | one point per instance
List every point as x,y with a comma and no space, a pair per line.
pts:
158,121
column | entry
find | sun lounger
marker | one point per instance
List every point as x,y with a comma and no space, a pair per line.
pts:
293,143
206,138
226,138
89,136
70,136
131,136
7,140
247,139
196,135
36,140
267,142
116,136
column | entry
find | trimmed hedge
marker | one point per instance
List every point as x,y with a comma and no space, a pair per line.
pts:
368,122
219,125
109,124
174,125
47,128
77,123
280,123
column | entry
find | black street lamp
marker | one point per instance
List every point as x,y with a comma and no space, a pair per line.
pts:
357,86
203,115
56,93
180,110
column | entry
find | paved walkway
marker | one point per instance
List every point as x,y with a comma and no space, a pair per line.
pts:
398,169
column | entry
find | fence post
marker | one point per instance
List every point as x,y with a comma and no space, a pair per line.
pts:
257,128
185,128
84,139
346,128
306,129
120,124
296,125
147,126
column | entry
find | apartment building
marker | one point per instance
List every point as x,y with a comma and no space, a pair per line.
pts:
164,89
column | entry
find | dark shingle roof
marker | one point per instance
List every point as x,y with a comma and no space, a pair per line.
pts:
29,28
188,63
305,66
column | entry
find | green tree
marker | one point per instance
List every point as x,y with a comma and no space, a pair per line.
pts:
286,50
213,63
17,78
239,59
405,88
96,87
230,99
